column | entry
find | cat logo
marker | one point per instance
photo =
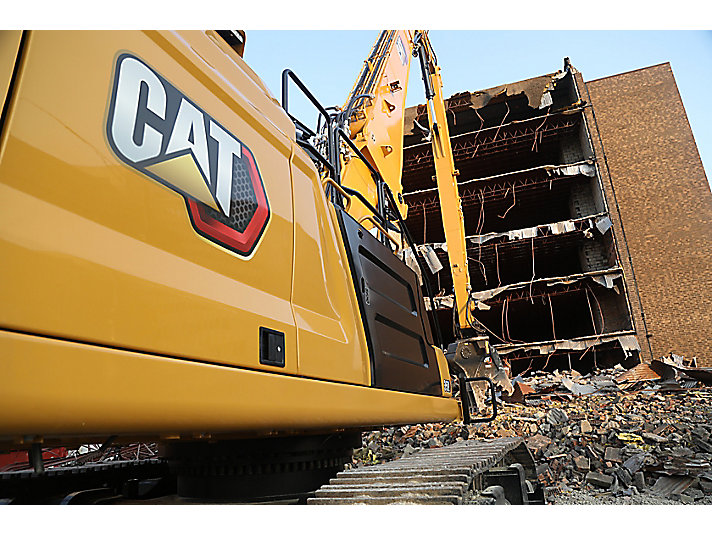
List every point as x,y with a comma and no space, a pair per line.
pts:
158,131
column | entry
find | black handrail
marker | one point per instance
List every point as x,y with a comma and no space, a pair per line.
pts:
286,74
374,173
299,124
372,209
313,151
332,154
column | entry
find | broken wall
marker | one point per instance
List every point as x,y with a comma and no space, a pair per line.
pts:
542,256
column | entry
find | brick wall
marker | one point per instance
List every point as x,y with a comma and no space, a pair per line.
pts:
622,258
665,204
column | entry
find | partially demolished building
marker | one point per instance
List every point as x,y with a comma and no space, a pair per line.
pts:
557,200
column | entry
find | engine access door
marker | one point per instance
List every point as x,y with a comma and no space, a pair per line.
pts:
393,314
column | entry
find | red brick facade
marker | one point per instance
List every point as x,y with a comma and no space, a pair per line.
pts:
652,173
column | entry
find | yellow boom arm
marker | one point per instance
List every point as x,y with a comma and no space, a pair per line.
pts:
375,112
446,176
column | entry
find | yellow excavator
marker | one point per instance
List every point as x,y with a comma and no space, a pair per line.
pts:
184,262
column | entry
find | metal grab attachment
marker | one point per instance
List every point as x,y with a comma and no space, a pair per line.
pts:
380,228
330,181
465,398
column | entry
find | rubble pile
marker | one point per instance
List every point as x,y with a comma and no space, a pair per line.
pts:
644,431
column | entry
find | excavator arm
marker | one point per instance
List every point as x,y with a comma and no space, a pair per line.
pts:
446,176
374,114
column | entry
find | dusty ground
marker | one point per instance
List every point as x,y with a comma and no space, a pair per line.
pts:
575,497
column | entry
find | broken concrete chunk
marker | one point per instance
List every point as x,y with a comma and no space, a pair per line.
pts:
613,454
582,463
556,417
695,493
538,443
639,480
624,476
409,449
433,443
606,442
704,445
552,451
599,479
672,485
675,437
701,432
682,452
682,427
706,485
578,389
661,428
654,437
634,463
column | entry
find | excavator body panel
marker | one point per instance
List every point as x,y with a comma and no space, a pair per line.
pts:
171,265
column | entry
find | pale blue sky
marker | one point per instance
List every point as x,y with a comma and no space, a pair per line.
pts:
329,62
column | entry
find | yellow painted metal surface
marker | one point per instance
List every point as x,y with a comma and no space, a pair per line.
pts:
450,205
94,251
379,134
444,371
110,391
330,334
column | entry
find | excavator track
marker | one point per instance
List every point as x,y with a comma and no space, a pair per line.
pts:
455,474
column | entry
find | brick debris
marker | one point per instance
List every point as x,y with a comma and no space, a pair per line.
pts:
612,436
